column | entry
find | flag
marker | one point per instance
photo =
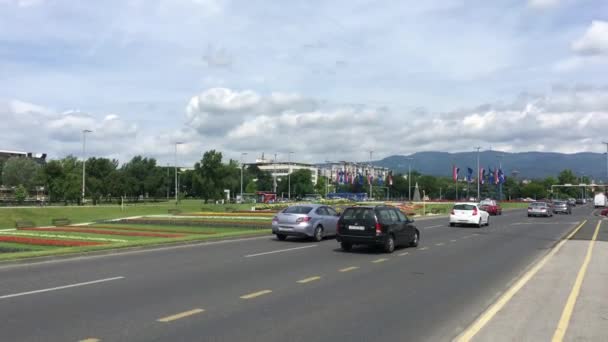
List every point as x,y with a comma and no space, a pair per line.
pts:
455,171
490,175
390,178
501,177
496,179
482,175
469,174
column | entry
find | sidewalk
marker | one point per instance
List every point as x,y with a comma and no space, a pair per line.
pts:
567,299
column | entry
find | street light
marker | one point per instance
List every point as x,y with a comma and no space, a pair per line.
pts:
275,174
409,179
84,159
176,188
606,143
289,175
478,175
242,165
371,174
328,176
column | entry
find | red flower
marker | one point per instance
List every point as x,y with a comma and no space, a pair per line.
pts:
102,231
47,242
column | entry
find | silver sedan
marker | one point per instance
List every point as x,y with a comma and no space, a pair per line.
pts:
305,220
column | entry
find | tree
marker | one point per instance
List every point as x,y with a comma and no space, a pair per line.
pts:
21,171
98,179
63,179
534,190
208,175
264,179
301,182
144,177
20,193
251,187
320,187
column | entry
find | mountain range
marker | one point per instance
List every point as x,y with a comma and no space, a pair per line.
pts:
524,165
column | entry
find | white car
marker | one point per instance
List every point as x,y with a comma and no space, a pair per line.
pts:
469,213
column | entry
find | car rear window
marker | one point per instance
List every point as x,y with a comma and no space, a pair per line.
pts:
359,214
464,207
297,209
539,204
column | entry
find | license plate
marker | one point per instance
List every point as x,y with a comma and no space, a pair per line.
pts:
285,228
356,227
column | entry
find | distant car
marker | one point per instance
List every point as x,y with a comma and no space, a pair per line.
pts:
562,207
580,201
539,209
571,202
383,226
604,212
305,220
469,213
491,206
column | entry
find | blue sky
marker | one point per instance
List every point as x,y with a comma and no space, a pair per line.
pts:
319,78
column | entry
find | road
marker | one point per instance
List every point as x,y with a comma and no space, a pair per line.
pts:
262,289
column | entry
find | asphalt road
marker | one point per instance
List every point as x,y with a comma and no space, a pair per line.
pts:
262,289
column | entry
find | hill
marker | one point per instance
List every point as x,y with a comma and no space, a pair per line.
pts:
529,165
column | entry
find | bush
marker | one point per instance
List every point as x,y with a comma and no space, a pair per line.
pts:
20,193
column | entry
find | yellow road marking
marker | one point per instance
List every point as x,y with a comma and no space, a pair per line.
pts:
379,260
423,248
404,253
564,321
90,340
255,294
472,330
180,315
349,269
308,280
440,244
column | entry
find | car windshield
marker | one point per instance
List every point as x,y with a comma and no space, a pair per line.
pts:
464,207
539,204
297,209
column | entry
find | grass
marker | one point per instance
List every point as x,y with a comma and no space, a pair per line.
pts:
43,216
37,251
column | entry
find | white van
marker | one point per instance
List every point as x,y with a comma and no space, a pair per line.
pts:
599,200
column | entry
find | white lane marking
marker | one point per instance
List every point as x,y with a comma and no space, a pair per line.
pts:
279,251
431,227
403,254
540,223
61,287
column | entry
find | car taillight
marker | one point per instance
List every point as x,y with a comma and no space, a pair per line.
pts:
303,219
378,228
529,209
338,227
475,211
453,213
275,219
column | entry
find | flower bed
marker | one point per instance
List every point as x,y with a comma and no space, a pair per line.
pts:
149,229
206,223
57,236
48,242
245,213
104,232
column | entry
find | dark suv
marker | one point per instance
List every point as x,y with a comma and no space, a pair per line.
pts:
383,226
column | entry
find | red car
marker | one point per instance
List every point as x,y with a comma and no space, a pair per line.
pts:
604,212
491,207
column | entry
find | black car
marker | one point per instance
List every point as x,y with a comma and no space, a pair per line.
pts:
383,226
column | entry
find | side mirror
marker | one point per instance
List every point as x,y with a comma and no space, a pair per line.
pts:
410,220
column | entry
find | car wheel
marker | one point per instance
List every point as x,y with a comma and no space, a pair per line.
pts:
452,224
415,240
389,244
318,235
346,246
529,215
479,224
281,237
488,222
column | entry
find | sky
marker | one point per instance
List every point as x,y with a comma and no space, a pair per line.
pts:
326,80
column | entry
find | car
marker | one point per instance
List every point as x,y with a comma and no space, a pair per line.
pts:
604,212
539,209
562,207
571,202
580,201
491,206
381,225
314,221
469,214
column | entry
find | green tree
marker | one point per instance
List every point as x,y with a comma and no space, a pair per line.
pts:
251,187
534,190
20,193
209,176
21,171
263,179
320,187
63,179
301,183
98,179
144,177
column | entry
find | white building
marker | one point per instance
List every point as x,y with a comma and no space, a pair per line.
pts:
281,169
333,170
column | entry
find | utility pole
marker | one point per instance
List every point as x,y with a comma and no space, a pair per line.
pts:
606,143
242,166
168,182
289,175
176,186
499,157
478,173
409,179
84,159
371,174
275,174
328,178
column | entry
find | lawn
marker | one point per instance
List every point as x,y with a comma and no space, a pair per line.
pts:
43,216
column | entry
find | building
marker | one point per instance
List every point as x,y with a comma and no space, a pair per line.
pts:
344,172
38,157
280,169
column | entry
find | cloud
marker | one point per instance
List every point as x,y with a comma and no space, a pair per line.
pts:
40,129
217,58
594,41
543,4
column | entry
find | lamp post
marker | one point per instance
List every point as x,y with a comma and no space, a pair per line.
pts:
242,166
84,159
175,156
371,174
478,175
289,175
328,177
275,174
606,143
409,179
